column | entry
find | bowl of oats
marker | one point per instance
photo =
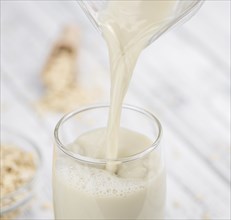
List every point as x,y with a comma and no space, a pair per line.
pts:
20,166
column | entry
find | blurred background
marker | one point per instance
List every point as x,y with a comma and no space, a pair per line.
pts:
183,78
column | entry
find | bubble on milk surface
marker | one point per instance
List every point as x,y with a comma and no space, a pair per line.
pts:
98,182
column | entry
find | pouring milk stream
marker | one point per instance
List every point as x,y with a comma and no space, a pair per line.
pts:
126,36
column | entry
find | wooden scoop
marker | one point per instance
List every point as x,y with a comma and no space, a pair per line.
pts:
59,71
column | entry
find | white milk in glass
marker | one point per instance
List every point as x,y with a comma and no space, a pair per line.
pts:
134,190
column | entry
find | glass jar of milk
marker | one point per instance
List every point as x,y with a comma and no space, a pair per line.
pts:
87,185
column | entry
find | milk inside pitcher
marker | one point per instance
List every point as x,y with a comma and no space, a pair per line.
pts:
183,11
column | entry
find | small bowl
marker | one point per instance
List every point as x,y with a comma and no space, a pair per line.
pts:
13,202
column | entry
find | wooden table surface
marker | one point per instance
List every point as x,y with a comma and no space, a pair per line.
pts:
183,78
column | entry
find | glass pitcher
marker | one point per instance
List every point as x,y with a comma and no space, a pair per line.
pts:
184,10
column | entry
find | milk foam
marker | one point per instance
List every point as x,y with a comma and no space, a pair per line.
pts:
98,182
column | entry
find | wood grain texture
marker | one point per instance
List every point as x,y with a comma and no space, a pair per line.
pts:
184,78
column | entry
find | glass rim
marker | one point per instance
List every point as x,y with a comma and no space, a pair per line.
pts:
99,161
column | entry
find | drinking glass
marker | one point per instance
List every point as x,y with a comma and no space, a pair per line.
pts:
82,186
